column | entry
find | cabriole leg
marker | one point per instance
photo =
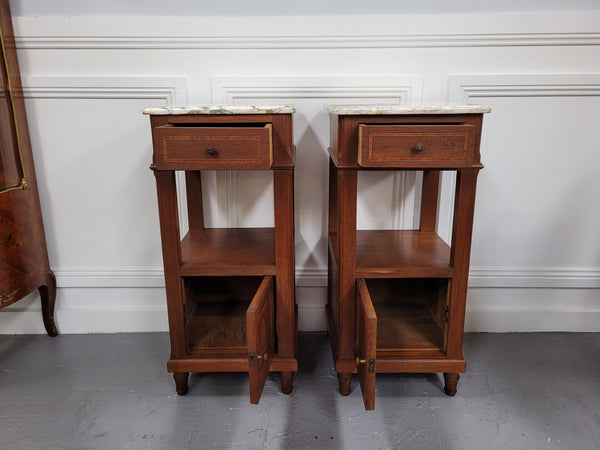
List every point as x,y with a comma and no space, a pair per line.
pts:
48,297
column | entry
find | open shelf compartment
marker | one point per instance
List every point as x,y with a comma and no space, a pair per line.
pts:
411,315
216,313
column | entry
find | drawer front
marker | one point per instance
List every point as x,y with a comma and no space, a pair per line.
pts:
214,148
415,146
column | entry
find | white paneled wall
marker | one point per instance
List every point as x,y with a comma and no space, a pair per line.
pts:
536,245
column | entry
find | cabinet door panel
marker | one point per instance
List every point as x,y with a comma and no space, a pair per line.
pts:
366,343
261,337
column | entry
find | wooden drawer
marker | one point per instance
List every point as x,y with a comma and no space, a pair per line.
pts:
213,147
415,146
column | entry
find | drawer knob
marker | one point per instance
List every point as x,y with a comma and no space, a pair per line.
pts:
211,151
419,148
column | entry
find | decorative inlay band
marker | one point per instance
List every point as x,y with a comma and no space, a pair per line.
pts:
7,298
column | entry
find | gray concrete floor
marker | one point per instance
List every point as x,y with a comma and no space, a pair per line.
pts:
521,391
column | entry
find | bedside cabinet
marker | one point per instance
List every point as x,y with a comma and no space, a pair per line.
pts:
396,298
230,291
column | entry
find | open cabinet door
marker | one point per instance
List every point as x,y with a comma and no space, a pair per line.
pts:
260,325
366,343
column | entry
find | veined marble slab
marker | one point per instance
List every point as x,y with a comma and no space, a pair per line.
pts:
347,110
219,109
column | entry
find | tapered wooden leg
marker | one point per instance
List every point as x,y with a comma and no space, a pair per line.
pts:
345,382
181,382
287,382
48,297
451,380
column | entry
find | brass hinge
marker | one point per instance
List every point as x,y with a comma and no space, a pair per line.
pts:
8,297
370,366
252,357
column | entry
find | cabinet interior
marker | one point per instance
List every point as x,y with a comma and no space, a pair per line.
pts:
411,314
215,313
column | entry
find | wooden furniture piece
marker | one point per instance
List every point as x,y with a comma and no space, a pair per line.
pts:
396,298
230,291
24,264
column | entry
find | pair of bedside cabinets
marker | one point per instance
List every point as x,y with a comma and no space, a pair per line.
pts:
396,298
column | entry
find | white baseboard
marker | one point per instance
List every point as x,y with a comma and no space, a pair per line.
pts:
96,301
532,321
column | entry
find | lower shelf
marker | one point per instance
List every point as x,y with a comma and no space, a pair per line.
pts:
218,327
216,314
228,319
411,316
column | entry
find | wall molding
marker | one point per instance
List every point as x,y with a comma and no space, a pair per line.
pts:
401,89
465,88
171,90
355,41
497,277
468,89
109,277
542,277
158,90
83,305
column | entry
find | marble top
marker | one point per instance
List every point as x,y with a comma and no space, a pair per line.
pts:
374,109
219,109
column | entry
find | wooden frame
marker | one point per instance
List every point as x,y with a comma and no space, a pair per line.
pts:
214,271
412,278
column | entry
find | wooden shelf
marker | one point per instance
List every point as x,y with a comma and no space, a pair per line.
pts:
218,327
404,329
216,318
401,254
410,316
228,251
